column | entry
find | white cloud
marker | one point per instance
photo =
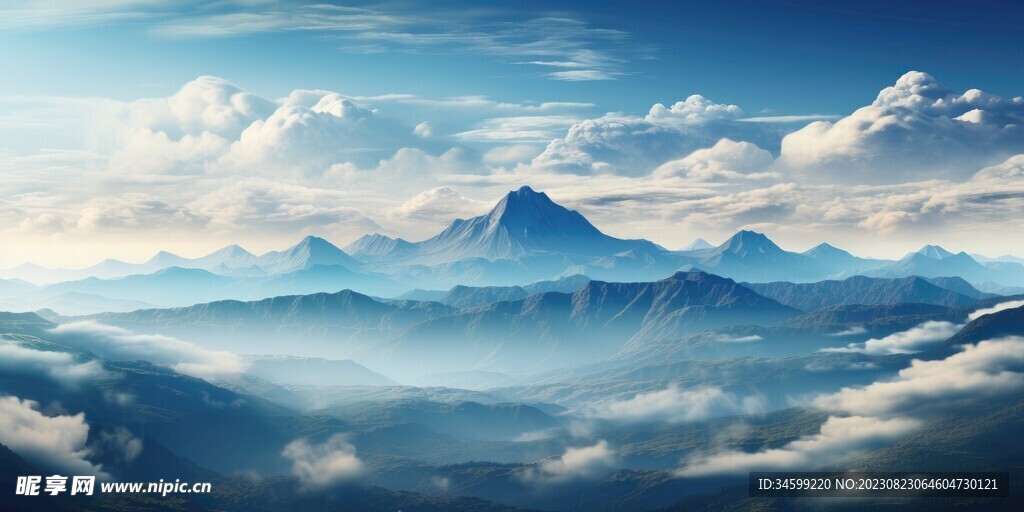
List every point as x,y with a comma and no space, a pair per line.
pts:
635,146
916,127
440,205
121,443
324,464
988,369
575,463
60,367
407,168
44,223
727,159
920,336
535,129
727,338
1002,306
696,109
306,141
133,211
852,331
52,443
839,438
886,410
676,405
207,104
516,153
119,344
912,340
268,205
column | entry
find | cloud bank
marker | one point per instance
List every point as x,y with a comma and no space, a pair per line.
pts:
676,405
51,443
119,344
872,416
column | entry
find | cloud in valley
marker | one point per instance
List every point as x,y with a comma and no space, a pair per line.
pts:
921,336
576,463
318,465
60,367
990,368
839,437
676,405
51,443
1002,306
117,344
871,416
910,341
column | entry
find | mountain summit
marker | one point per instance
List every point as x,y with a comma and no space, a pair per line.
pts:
524,221
934,252
307,253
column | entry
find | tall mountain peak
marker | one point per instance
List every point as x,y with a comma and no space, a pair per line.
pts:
934,251
824,250
310,251
698,244
750,241
523,221
377,245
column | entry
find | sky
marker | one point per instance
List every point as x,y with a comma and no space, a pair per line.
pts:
132,126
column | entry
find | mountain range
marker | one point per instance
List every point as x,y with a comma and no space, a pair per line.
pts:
525,238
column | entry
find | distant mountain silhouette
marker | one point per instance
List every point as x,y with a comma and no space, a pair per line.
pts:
308,252
861,290
377,245
552,329
698,244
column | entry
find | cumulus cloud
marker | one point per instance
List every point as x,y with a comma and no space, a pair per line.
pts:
45,223
119,344
441,204
60,367
634,146
695,109
207,104
307,141
576,463
727,159
676,405
916,127
334,165
321,465
52,443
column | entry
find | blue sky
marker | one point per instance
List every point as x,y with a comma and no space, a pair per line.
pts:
797,57
131,126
